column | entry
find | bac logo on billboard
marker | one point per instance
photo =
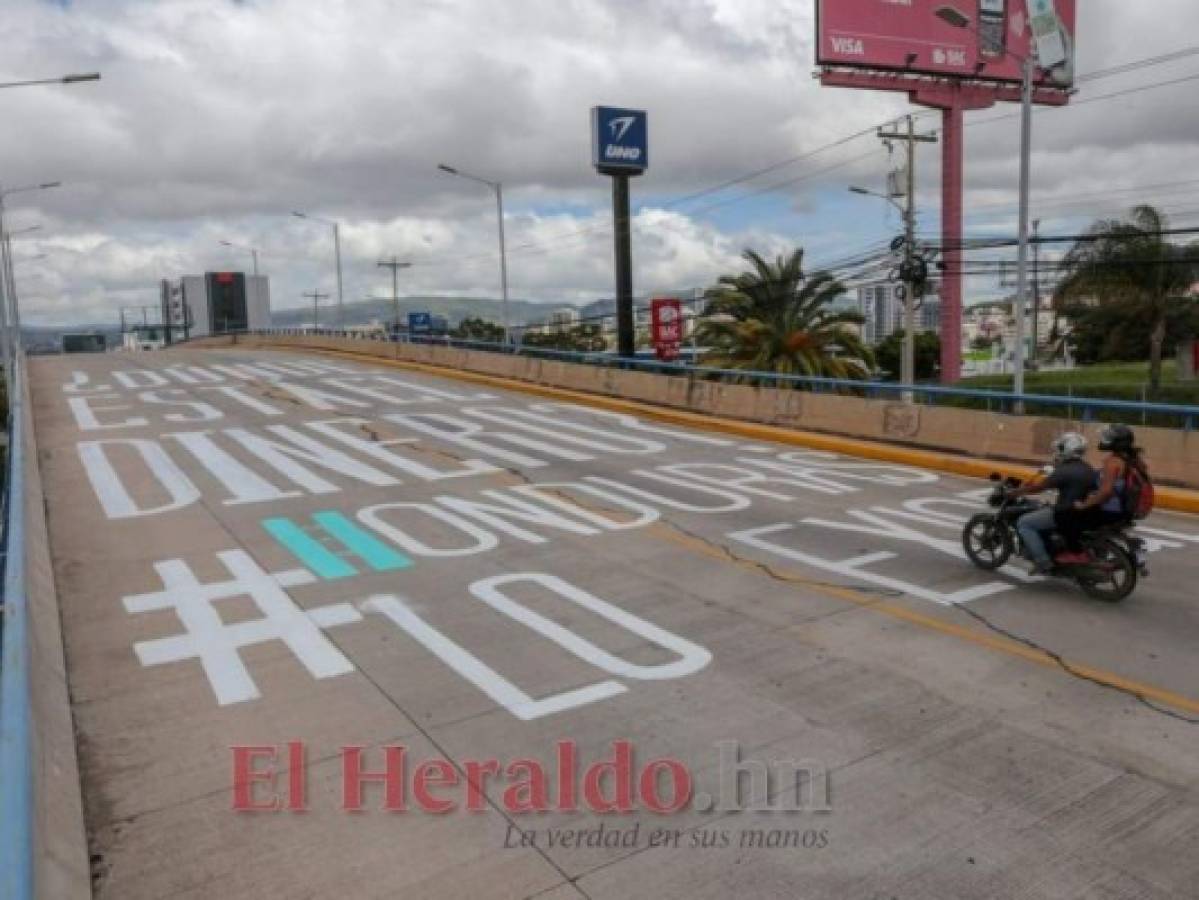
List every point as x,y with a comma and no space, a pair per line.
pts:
619,139
975,39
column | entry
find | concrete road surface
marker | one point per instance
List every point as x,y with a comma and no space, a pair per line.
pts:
342,630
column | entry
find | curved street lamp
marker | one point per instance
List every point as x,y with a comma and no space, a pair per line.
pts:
253,251
336,256
498,187
62,79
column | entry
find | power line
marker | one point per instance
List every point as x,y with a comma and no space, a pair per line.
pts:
604,229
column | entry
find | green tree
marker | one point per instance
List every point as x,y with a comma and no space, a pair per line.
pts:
774,317
889,355
1131,266
476,329
1107,333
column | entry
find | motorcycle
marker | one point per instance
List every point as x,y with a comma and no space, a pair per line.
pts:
1116,557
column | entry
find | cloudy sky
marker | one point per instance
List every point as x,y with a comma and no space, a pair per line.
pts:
215,119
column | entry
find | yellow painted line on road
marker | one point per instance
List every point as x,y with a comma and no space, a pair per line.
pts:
1175,499
932,623
1186,501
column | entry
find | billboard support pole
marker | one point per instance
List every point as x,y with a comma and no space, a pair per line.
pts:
625,336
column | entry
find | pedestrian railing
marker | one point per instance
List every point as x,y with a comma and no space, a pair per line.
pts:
1084,409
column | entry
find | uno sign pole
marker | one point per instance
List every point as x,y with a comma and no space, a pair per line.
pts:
951,55
620,150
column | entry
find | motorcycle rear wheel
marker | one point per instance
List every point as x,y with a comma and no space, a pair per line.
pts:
1113,576
988,542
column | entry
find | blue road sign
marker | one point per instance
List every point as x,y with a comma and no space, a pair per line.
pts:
420,322
619,140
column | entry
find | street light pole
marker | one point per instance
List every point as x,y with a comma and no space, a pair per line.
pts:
1029,65
64,79
253,251
341,309
10,331
499,206
498,187
907,364
12,318
337,260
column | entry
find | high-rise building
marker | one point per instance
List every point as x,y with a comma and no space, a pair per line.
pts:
216,303
882,306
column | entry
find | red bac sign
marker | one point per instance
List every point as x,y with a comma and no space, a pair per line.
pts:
666,327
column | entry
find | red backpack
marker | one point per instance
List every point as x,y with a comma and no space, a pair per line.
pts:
1138,493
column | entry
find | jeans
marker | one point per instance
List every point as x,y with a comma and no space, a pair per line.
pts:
1032,527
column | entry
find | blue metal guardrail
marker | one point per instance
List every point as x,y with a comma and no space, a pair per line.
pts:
1085,409
16,767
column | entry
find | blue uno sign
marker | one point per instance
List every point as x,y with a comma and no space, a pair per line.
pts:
420,323
619,140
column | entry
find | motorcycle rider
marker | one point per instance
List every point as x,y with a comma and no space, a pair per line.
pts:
1105,506
1073,478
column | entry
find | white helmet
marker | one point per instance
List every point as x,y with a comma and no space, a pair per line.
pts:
1070,445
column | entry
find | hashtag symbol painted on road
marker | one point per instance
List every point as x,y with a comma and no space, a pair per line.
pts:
217,645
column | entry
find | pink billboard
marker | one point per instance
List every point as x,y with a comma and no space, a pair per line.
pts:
983,39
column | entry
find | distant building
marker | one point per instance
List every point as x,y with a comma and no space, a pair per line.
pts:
563,319
215,303
882,306
84,342
144,337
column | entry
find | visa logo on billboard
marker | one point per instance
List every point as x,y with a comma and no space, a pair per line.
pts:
847,46
619,140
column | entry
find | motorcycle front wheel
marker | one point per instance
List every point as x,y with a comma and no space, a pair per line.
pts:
1113,575
988,542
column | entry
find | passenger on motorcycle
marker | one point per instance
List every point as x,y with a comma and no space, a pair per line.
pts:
1107,505
1073,478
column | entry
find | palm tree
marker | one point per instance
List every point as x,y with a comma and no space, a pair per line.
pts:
1130,263
774,318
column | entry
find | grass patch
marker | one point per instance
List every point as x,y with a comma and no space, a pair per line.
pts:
1109,381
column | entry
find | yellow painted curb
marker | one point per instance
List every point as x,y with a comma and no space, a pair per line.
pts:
1176,499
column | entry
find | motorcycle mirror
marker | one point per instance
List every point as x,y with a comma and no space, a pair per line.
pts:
995,476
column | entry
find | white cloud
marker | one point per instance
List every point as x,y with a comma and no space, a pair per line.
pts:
215,119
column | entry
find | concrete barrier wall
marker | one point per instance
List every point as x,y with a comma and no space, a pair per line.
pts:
1173,454
61,863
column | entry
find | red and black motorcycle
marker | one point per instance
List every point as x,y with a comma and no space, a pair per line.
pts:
1116,558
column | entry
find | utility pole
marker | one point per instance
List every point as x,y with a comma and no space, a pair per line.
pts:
911,282
1026,96
1036,294
316,297
395,265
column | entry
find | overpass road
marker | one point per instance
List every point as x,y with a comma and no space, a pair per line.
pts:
265,559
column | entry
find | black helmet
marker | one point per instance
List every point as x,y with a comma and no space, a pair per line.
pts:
1117,439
